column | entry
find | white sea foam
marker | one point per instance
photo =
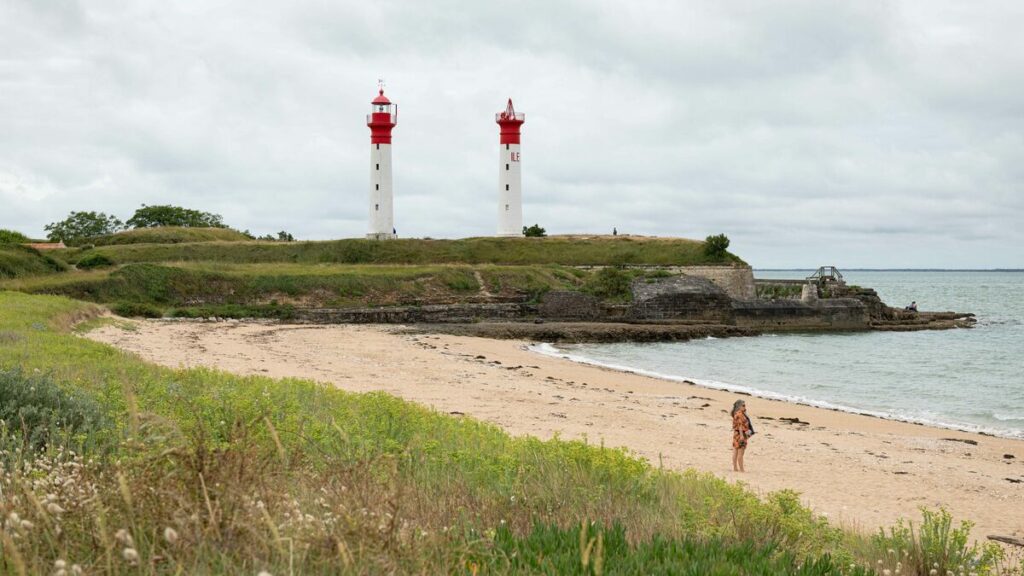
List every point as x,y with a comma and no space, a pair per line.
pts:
934,421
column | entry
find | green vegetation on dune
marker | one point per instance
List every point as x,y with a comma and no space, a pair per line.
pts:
17,261
252,474
13,237
163,235
271,290
198,471
567,251
155,271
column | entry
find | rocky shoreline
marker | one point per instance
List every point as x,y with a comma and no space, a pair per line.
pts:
609,332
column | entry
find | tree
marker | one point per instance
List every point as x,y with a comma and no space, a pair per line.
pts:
715,246
80,225
534,231
282,236
166,215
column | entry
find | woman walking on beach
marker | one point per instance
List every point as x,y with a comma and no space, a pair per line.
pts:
741,431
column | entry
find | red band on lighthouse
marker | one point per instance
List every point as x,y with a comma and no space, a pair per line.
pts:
383,118
510,122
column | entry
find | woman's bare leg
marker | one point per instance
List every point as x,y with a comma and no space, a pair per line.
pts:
739,458
735,463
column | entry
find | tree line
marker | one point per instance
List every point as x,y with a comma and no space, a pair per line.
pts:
88,224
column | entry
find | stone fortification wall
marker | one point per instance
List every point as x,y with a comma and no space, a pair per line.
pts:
673,300
737,281
681,297
832,314
570,306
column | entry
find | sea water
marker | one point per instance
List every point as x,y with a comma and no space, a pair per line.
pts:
968,379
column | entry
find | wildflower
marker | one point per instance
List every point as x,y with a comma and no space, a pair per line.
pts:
54,508
933,572
170,535
27,525
130,555
886,572
124,537
76,570
264,573
60,564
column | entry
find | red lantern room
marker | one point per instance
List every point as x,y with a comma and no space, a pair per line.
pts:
382,119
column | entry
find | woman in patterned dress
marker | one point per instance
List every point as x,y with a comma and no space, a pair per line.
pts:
741,432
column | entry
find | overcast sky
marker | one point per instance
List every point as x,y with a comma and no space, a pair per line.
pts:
812,132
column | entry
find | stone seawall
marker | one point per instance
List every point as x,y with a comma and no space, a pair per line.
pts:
432,314
782,315
674,307
677,300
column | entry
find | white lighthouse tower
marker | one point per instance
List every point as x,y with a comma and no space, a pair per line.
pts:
382,118
510,178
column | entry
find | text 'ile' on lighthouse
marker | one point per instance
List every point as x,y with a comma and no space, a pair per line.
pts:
382,118
510,179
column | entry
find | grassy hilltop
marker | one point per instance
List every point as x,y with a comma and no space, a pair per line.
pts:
163,235
562,250
162,271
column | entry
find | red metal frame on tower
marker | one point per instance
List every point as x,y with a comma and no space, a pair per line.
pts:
510,121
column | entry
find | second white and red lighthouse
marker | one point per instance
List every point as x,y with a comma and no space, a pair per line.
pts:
510,176
381,119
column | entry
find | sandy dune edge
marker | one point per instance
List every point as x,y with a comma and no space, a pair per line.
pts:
858,470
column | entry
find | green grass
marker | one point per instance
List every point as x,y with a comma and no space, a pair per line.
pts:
247,290
164,235
568,251
18,261
253,473
203,472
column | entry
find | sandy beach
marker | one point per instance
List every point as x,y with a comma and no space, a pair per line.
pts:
858,470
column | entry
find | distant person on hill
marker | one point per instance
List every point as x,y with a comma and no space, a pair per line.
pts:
615,231
742,430
913,306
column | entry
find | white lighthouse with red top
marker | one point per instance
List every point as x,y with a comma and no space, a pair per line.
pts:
510,180
382,118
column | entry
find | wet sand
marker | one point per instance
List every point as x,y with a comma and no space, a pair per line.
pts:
860,471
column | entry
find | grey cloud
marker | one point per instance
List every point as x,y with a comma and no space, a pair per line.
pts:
803,129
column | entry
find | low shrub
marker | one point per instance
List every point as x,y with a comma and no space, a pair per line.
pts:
716,247
779,291
95,260
592,549
935,546
38,413
609,284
